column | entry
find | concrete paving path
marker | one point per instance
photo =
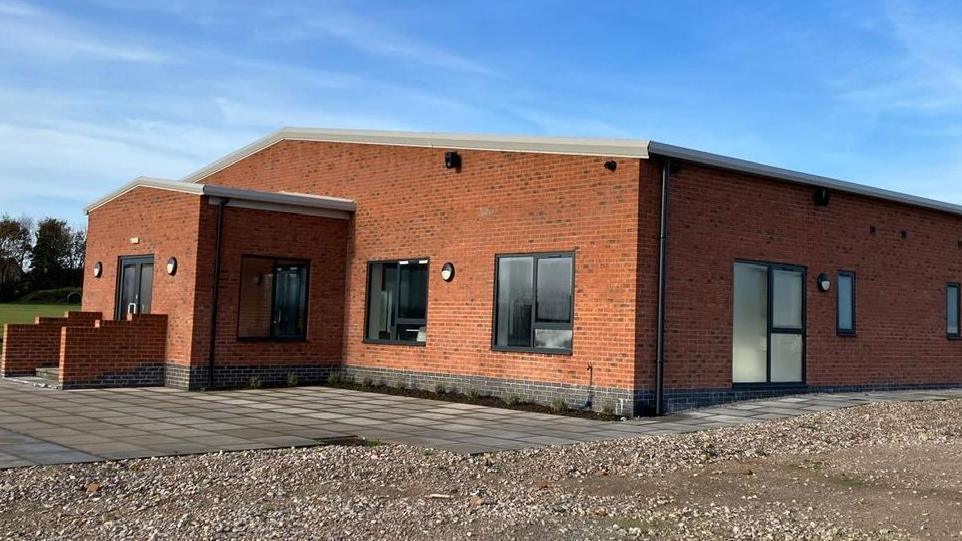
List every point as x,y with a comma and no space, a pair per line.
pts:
48,426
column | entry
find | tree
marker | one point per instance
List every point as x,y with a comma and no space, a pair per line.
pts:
51,255
15,249
78,250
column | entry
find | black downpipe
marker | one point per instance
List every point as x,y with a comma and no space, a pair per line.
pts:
662,281
215,293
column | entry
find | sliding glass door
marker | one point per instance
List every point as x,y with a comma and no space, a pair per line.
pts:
768,327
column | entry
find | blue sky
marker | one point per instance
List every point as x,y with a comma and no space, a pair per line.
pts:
93,94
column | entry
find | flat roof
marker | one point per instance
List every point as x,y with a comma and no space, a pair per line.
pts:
581,146
279,201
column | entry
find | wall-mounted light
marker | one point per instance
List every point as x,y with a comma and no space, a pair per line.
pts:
824,282
821,197
172,265
98,269
447,271
452,160
611,165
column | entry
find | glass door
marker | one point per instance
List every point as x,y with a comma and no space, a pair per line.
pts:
768,328
135,286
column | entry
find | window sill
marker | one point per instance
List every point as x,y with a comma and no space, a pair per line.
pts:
271,339
542,351
850,334
954,337
771,385
393,343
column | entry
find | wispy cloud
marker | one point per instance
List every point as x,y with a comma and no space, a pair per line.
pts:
932,36
923,72
26,30
373,38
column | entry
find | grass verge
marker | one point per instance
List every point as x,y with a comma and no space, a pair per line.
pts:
27,313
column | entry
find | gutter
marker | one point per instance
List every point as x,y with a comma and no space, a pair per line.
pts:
215,292
662,286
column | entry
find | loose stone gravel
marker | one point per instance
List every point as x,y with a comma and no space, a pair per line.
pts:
776,480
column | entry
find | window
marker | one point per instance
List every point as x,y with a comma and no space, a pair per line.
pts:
534,305
768,327
845,296
952,310
273,298
397,301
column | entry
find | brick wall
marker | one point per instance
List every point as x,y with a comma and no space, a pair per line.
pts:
248,232
410,206
31,346
167,224
718,216
114,353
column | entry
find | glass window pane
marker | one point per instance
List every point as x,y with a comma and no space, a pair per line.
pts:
846,289
786,357
382,296
786,299
290,300
750,326
128,291
952,309
554,290
257,283
412,332
146,287
515,301
413,301
552,339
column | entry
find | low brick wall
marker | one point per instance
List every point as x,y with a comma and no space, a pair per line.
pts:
114,353
27,347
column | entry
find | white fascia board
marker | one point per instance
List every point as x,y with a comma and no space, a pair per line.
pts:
754,168
279,201
147,182
280,198
613,148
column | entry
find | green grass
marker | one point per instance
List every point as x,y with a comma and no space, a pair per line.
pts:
27,313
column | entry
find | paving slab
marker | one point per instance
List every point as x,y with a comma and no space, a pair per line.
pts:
49,426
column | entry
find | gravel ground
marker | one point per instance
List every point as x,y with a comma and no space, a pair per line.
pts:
884,471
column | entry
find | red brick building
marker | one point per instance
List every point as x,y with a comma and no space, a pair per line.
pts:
527,266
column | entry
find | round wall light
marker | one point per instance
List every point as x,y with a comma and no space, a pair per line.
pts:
447,272
172,265
98,269
824,282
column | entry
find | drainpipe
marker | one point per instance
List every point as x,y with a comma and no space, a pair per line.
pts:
662,281
215,292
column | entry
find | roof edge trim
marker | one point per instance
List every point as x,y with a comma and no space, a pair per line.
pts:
755,168
275,199
614,148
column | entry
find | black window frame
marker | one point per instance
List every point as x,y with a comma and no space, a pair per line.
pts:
367,303
773,329
534,322
307,299
838,304
958,309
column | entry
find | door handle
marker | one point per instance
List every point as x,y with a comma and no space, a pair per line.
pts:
132,308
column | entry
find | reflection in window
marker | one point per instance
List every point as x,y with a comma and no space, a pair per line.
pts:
952,310
273,298
397,301
534,302
846,303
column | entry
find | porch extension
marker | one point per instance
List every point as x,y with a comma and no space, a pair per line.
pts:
85,350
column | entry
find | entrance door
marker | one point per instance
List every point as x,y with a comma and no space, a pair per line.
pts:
135,285
768,330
